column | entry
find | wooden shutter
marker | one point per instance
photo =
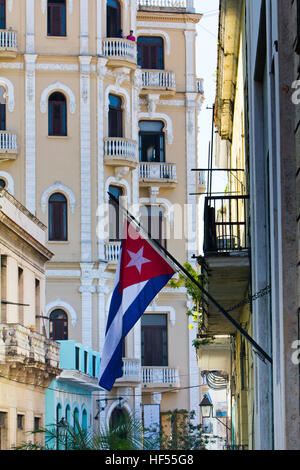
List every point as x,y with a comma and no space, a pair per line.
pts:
2,117
56,19
2,14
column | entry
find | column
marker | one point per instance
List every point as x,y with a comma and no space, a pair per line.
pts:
101,71
29,26
85,148
87,289
84,27
101,13
30,133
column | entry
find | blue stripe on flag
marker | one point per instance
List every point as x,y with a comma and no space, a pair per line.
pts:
113,369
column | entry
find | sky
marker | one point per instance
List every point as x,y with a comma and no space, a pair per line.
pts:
206,65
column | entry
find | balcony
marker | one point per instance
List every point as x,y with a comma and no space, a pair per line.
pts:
131,371
160,377
158,80
18,344
112,250
8,43
159,4
8,146
120,152
120,52
162,174
214,354
226,255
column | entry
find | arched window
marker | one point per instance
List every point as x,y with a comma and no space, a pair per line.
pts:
150,52
2,109
2,15
57,215
68,414
113,19
115,225
56,18
115,117
151,141
76,418
58,413
84,419
117,417
57,114
58,325
2,183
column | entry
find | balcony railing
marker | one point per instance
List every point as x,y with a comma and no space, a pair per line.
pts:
8,143
225,224
162,3
117,148
158,79
8,40
160,375
112,250
118,48
131,370
18,342
158,171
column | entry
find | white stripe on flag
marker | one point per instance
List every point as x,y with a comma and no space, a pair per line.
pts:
114,334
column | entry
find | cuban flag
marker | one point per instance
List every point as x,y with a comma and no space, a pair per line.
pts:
141,273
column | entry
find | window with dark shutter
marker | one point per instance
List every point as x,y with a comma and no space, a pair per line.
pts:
150,52
115,117
58,325
153,220
115,225
57,118
113,19
2,109
154,347
151,141
56,18
57,217
2,14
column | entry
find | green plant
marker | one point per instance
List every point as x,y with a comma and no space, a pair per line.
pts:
127,435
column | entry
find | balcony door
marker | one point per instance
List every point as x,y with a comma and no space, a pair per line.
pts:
56,18
115,117
151,141
115,222
2,14
113,19
2,109
154,343
150,52
153,220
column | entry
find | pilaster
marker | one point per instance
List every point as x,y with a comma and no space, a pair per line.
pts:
30,132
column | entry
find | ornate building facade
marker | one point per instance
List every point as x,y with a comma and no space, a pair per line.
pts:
84,111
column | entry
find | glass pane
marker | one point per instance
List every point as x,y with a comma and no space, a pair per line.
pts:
57,197
115,101
151,126
154,320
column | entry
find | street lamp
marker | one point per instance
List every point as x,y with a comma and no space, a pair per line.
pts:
206,407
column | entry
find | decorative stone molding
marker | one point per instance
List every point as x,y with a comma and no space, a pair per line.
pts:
57,86
163,309
59,303
10,5
57,67
121,182
10,95
58,187
119,91
160,201
162,117
152,101
157,32
10,185
153,193
30,132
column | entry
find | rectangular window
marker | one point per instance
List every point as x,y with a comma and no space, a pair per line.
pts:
154,340
153,221
297,39
20,422
57,18
94,366
85,362
2,14
150,53
77,357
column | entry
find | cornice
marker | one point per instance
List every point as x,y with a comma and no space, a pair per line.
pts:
158,16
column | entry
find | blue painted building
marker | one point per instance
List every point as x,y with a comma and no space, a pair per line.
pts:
69,396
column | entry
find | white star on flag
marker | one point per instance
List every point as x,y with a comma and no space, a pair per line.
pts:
137,259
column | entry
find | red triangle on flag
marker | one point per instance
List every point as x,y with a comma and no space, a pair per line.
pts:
139,260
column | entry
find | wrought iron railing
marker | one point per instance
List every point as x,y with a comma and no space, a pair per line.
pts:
226,224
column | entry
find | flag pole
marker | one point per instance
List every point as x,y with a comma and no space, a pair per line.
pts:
260,351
